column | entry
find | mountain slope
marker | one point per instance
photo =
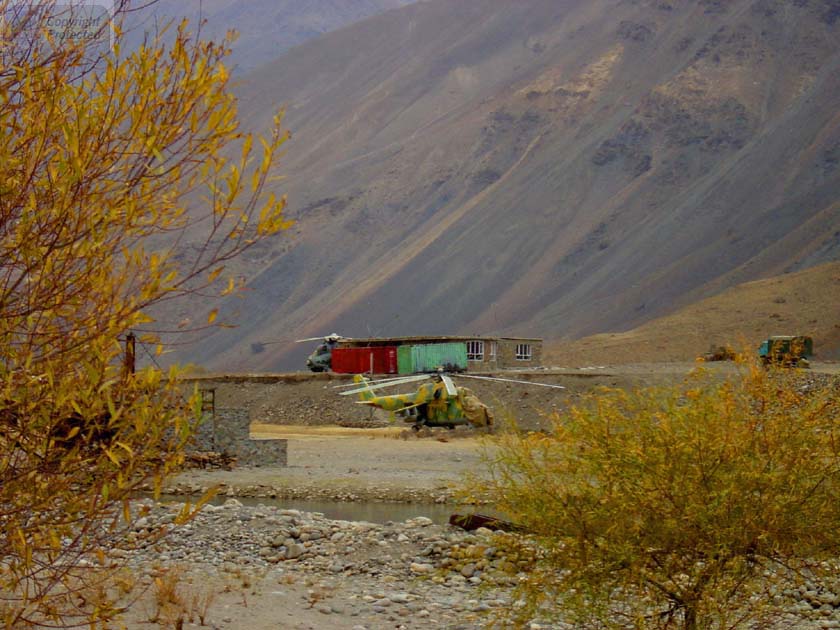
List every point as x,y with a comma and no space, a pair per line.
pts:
802,303
266,28
542,168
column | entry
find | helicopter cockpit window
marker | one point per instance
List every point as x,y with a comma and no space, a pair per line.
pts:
323,349
475,351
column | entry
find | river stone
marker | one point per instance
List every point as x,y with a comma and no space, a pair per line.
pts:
294,551
419,568
293,513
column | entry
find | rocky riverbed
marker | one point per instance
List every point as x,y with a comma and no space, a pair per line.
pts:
236,567
277,568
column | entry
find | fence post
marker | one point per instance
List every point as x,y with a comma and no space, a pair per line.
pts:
130,354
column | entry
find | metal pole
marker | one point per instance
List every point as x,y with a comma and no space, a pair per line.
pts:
370,410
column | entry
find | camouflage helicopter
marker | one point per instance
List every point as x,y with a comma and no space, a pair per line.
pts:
435,404
439,403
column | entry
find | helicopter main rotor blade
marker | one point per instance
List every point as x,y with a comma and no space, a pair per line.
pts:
509,380
366,388
450,386
325,338
396,380
371,403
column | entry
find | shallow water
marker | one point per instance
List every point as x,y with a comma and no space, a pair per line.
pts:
371,512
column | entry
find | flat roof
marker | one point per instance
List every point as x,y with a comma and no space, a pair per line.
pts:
436,338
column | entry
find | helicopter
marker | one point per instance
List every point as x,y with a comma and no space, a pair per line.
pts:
439,403
321,358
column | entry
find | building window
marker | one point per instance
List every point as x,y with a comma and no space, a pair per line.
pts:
523,352
492,354
475,351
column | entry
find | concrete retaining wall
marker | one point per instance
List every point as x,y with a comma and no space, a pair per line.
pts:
229,433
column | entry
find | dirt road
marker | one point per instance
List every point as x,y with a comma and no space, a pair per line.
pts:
355,464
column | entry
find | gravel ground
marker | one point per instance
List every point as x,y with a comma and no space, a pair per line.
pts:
313,399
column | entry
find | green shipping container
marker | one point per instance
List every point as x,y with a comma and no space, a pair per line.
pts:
405,364
452,357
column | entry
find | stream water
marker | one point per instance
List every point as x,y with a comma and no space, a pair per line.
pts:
371,512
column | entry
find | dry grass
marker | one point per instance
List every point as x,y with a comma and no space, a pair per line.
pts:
264,431
397,432
177,597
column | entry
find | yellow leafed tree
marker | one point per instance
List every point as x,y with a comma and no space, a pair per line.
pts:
99,151
703,505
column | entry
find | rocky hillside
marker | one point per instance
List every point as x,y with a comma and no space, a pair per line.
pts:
542,168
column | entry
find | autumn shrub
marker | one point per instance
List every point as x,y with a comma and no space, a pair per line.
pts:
693,506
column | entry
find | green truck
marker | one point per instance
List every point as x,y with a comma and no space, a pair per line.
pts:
786,350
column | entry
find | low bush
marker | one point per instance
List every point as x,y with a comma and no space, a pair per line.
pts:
684,507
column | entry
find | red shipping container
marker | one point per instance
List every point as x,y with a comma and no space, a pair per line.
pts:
358,360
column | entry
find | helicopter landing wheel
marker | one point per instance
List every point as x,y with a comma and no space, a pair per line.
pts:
415,428
450,427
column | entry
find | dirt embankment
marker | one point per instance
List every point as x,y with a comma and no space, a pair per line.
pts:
314,400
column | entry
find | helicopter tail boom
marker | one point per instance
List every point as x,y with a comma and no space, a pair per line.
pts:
365,393
395,402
